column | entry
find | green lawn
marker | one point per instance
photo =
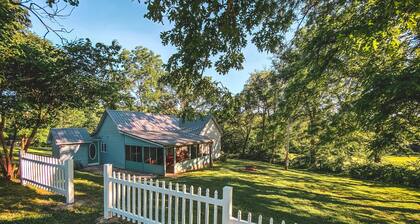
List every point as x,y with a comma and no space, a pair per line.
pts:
408,161
295,196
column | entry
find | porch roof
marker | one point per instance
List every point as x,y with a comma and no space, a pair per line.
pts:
165,138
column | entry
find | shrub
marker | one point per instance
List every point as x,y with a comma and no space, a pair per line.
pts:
387,173
223,157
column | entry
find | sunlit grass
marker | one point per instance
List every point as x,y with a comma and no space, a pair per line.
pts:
406,161
307,197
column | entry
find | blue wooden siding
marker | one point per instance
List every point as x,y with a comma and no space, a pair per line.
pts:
114,141
81,154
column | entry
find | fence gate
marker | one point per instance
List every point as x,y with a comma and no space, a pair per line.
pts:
48,173
147,201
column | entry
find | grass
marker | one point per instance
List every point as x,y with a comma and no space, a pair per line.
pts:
296,196
307,197
407,161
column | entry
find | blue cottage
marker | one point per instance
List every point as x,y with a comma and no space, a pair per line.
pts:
144,142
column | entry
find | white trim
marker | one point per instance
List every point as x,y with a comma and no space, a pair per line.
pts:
93,164
96,153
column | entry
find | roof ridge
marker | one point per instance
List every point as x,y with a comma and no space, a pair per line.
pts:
148,113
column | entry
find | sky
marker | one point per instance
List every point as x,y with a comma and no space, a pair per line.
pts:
122,20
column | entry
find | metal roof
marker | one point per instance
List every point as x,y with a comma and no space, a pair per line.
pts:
195,126
69,136
161,129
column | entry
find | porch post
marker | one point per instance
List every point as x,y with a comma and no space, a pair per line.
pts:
174,148
164,160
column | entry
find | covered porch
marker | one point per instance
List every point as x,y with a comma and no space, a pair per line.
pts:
187,157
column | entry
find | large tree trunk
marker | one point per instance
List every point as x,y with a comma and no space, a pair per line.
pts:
5,161
312,150
248,132
377,158
29,140
286,156
263,126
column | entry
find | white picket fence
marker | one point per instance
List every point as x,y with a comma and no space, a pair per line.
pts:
48,173
146,201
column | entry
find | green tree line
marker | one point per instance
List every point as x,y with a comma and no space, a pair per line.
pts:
344,86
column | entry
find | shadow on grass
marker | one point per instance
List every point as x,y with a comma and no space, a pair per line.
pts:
24,204
306,197
296,196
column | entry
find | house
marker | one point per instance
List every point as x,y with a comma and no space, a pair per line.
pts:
144,142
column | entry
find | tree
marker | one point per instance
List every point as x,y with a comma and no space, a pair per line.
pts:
144,70
43,80
362,59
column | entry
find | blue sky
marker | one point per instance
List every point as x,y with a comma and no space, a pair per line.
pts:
122,20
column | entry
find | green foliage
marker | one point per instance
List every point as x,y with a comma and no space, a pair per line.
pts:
387,173
202,30
144,70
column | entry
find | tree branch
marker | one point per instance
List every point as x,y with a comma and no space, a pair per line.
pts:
48,12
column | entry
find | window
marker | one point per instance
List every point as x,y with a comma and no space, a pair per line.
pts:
103,147
133,153
160,156
193,151
127,152
182,154
139,154
153,155
205,149
92,151
146,154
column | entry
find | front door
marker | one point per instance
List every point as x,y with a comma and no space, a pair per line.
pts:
93,154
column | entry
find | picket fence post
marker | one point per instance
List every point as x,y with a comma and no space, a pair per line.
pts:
69,185
227,204
22,181
107,190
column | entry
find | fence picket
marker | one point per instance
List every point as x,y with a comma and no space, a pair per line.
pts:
144,199
199,207
119,194
150,201
176,204
184,190
123,197
163,203
207,208
139,199
215,208
170,205
191,213
133,192
44,172
114,192
157,203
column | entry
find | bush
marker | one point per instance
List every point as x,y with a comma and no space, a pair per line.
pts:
326,164
223,158
387,173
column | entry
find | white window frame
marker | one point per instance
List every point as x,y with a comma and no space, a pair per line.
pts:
102,147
